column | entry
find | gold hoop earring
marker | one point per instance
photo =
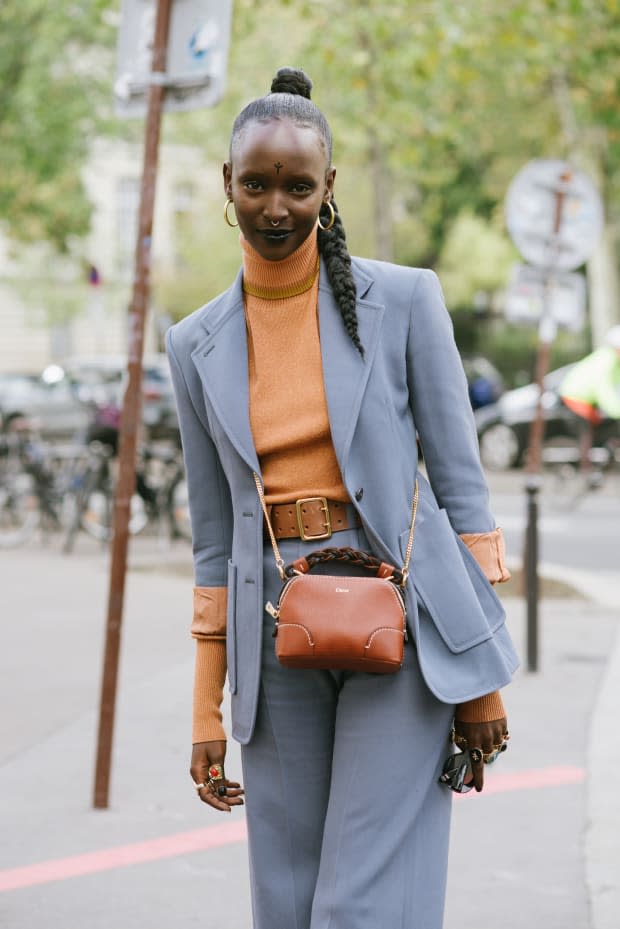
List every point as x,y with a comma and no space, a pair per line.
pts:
226,216
332,216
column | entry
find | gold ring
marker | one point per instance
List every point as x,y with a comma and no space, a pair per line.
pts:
216,773
459,740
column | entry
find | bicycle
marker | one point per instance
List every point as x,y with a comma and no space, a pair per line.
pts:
37,485
160,496
570,483
160,481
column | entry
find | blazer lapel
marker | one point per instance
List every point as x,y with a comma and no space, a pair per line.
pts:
222,363
345,372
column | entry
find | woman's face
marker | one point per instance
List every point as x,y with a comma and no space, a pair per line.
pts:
277,180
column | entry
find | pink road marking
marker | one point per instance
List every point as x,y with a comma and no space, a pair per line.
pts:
182,843
185,843
498,783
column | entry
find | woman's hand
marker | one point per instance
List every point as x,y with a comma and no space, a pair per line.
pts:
218,792
486,737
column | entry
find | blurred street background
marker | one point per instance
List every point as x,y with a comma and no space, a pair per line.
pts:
539,846
481,140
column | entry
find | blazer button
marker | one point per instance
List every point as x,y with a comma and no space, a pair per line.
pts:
359,493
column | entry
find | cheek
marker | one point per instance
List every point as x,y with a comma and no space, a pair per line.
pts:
313,206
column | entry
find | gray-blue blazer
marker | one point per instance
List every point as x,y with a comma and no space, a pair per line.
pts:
410,381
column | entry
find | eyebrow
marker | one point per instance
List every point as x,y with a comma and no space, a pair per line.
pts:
293,177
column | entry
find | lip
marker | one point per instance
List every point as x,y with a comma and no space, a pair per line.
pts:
276,235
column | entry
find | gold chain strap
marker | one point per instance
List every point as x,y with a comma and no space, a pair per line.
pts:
414,510
276,551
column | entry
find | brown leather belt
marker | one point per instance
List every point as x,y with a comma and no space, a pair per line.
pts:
311,518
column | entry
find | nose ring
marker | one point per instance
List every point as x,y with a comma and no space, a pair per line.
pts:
275,222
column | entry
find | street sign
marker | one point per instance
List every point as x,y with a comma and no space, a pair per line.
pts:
533,291
197,55
532,202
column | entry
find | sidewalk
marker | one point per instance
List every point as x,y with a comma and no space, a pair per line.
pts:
539,848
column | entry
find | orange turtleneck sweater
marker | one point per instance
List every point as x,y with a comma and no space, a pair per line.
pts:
290,426
288,409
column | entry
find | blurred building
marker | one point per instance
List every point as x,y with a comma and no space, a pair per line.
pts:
55,307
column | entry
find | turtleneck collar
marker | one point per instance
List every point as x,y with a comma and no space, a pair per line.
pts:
276,280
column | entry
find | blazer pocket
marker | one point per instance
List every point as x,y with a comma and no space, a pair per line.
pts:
455,592
231,627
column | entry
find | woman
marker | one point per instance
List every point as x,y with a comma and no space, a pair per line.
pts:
318,372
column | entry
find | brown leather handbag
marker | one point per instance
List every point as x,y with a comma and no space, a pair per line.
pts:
340,622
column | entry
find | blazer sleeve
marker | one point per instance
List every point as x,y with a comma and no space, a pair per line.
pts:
208,491
442,412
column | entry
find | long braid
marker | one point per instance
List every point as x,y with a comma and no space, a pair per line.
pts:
333,248
290,99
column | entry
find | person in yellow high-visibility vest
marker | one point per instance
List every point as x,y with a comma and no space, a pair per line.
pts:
591,390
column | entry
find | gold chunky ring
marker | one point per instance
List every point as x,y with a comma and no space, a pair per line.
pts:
216,773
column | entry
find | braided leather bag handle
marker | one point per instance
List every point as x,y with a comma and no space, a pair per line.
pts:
352,556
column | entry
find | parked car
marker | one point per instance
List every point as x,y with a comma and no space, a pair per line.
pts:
65,399
104,378
159,410
47,401
504,427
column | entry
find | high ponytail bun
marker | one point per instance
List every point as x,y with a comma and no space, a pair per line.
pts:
291,81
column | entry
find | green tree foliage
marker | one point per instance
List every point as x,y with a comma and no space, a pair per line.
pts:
55,80
435,106
475,259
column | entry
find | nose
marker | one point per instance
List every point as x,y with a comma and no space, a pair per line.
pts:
275,211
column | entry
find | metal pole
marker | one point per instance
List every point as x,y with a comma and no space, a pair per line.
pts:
130,418
533,479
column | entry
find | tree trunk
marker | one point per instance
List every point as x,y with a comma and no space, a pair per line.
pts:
603,286
586,150
381,199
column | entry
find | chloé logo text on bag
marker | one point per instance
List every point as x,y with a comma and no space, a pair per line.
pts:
342,590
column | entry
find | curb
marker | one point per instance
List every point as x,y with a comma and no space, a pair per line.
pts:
601,586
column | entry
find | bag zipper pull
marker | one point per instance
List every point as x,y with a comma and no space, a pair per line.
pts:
272,610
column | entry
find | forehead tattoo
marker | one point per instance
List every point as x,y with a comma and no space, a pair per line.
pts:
277,166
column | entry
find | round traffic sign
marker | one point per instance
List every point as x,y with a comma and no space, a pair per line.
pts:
554,214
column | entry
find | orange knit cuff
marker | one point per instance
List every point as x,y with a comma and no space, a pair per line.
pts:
489,551
209,617
484,709
209,678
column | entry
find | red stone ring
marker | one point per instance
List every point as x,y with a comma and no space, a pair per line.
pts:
216,773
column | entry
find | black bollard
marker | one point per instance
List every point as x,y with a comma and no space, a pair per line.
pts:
531,570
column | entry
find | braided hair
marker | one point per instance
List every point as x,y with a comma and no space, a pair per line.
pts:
290,99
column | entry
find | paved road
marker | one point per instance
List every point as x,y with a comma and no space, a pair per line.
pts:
584,536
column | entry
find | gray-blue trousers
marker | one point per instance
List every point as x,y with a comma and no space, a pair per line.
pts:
348,827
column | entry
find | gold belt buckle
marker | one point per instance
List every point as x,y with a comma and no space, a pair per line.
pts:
300,522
